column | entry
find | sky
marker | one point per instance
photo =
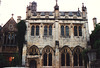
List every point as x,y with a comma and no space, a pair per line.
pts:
18,8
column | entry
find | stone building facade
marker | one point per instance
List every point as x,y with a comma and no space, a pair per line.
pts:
55,39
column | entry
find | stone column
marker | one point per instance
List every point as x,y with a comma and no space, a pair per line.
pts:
57,58
56,30
72,61
24,55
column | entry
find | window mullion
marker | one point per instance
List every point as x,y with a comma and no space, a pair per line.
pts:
47,59
35,30
65,59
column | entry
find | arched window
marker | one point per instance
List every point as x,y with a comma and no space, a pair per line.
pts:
50,30
45,30
80,31
80,60
75,59
33,50
32,30
62,30
75,30
67,31
67,59
62,59
50,59
37,30
45,59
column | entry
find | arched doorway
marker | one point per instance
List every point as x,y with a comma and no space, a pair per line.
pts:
33,64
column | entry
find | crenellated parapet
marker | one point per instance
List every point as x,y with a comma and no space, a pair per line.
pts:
32,13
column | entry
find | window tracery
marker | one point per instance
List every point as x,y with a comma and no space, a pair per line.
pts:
65,30
33,50
78,60
78,30
65,57
47,56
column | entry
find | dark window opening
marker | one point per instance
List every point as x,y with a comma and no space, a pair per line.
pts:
80,60
50,30
67,59
62,59
45,30
67,31
45,59
50,59
75,59
80,31
62,30
32,30
75,30
37,30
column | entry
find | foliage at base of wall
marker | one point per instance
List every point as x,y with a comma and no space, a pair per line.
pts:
85,57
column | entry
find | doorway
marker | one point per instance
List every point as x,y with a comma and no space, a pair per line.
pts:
33,64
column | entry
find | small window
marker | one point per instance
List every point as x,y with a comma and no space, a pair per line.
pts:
42,14
45,30
37,30
50,14
62,14
62,30
34,14
80,31
67,31
50,30
75,30
70,14
32,30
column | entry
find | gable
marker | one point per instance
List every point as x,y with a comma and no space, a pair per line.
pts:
10,26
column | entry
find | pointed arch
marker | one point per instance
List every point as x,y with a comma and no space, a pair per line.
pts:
77,53
33,50
65,56
49,52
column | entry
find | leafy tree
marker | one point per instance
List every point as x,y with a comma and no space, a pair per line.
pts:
21,26
95,39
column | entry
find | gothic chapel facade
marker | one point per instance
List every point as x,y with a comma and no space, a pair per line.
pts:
55,39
